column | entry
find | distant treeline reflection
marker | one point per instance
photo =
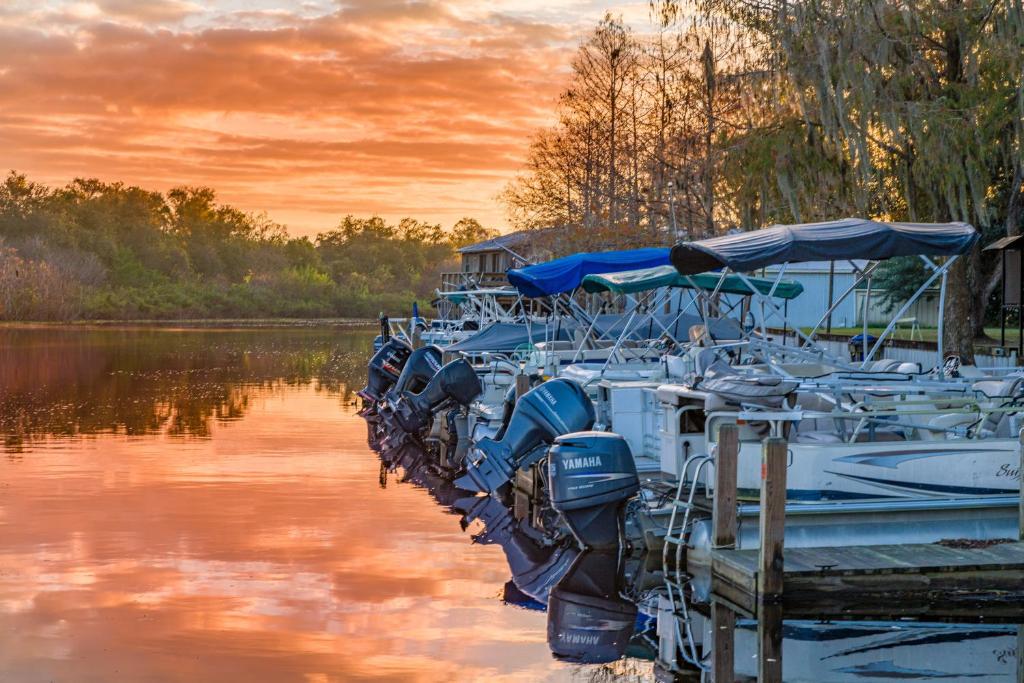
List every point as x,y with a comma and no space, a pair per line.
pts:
72,381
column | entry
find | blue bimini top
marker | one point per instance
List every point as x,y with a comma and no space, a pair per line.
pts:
565,274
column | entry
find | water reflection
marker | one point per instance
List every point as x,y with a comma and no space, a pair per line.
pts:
263,551
67,382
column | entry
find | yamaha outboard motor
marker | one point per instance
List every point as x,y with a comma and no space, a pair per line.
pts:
556,407
535,567
420,367
589,622
384,369
454,383
422,364
592,474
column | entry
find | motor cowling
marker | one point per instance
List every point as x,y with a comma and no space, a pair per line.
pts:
556,407
384,369
420,367
591,475
589,622
456,383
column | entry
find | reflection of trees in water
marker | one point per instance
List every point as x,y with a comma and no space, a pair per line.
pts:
69,381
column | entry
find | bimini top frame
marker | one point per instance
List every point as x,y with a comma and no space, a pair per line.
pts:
846,239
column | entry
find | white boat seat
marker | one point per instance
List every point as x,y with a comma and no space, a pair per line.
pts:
884,365
814,402
998,388
946,422
908,368
679,394
997,425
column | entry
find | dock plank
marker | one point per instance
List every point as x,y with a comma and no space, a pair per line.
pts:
844,573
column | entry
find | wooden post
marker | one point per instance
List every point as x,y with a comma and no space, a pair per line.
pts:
723,639
723,518
773,518
1020,654
1020,480
522,385
769,644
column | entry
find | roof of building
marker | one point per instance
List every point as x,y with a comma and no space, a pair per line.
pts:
505,241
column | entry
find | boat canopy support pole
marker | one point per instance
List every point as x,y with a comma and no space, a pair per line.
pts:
937,271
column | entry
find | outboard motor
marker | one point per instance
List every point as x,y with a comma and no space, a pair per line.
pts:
589,622
592,474
384,369
455,441
556,407
535,567
454,383
420,367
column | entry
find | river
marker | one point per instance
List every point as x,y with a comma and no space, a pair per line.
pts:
200,505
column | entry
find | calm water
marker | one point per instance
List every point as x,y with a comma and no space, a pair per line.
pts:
201,505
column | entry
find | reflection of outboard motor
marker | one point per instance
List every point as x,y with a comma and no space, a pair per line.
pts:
535,567
384,369
589,622
556,407
454,383
441,489
592,474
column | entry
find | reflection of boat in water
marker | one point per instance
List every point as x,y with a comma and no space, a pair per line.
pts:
885,651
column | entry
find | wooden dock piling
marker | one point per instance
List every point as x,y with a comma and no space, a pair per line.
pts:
1020,480
522,385
723,643
772,518
723,517
769,644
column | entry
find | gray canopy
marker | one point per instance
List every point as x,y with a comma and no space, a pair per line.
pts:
849,238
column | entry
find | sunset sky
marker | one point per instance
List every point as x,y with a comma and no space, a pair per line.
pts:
307,109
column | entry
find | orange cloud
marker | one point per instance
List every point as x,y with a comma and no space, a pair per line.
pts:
304,110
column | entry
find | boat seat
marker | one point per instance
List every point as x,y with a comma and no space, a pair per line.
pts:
814,402
884,365
998,388
997,425
946,422
677,395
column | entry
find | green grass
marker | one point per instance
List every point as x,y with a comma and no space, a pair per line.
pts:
929,334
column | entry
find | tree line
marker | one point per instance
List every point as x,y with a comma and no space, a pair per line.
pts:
98,250
736,114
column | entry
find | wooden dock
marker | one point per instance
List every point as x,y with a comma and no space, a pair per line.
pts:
897,580
928,581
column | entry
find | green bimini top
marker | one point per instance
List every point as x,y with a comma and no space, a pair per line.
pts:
630,281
